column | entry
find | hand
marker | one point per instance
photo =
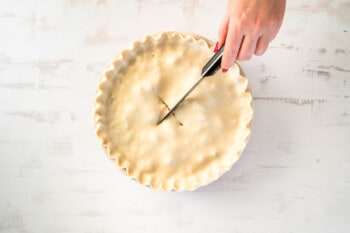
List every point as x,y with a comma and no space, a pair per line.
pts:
248,27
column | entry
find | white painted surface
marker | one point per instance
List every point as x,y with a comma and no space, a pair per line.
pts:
294,175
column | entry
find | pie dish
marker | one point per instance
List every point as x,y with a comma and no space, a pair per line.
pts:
199,142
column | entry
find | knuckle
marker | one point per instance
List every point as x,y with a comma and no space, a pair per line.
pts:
243,23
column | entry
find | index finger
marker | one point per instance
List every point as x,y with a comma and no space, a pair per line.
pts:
233,43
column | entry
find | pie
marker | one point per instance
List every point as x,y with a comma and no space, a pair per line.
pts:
192,147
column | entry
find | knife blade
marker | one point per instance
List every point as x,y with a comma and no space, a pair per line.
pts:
209,69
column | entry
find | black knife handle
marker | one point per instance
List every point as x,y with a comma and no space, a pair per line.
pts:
213,64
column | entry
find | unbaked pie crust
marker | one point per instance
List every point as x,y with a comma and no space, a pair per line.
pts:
202,139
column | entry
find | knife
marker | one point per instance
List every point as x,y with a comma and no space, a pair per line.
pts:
209,69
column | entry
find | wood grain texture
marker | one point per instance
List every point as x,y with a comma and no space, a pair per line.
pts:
294,175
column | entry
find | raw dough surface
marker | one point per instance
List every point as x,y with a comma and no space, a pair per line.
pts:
201,140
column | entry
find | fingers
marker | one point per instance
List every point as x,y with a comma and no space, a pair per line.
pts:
223,31
262,45
237,46
240,44
242,48
248,47
232,47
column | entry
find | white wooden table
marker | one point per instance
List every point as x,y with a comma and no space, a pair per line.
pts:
294,175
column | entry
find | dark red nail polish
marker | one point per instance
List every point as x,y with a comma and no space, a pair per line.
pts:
224,70
216,47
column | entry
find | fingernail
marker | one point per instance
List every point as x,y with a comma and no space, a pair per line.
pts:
224,70
216,47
